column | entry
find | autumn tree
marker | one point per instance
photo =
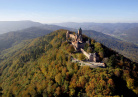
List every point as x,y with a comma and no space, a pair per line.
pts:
71,49
81,57
58,90
101,54
92,41
58,78
130,83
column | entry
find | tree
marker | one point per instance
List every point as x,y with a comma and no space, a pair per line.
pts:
101,54
81,57
86,46
72,92
58,91
58,78
110,82
71,49
89,50
92,41
111,61
98,47
130,83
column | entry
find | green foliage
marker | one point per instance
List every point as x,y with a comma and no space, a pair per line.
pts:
101,54
111,61
89,50
86,46
81,57
98,47
7,40
71,49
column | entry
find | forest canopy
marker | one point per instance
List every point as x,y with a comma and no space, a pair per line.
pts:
43,67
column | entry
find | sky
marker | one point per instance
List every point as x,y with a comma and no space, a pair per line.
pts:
56,11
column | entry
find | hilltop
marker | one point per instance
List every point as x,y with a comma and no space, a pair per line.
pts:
43,67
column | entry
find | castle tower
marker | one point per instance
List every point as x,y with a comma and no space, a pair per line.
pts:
67,35
80,31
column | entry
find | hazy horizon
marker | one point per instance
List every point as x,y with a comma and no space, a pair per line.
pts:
62,22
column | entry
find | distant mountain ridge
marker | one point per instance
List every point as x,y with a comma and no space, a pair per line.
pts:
10,26
130,35
9,39
129,50
7,26
100,27
113,29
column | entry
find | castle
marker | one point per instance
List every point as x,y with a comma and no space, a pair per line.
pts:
78,43
77,40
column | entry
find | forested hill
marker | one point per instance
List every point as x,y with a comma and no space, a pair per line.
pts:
129,50
10,39
131,35
43,67
7,40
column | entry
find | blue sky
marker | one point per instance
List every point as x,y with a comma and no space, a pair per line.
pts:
54,11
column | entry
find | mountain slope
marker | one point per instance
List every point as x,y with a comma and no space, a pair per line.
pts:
129,50
43,67
130,35
9,39
7,26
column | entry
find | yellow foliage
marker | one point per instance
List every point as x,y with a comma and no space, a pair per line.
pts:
58,78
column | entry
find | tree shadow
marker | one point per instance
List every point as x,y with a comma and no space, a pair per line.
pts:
121,88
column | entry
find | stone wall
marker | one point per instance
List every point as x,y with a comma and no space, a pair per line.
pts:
75,44
72,36
85,53
91,57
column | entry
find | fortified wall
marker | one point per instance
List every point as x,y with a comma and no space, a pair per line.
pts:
91,56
